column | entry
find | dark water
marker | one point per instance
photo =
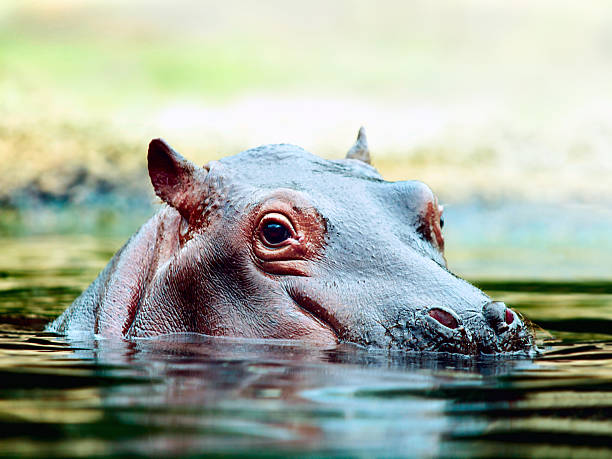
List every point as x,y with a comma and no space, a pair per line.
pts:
188,396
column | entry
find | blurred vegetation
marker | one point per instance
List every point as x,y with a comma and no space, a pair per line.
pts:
481,100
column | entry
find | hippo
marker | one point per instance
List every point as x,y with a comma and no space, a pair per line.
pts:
277,243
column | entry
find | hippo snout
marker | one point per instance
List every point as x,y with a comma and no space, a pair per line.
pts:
490,329
498,316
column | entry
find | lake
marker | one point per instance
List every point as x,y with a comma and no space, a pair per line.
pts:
188,395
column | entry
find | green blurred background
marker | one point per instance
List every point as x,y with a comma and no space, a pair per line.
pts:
503,108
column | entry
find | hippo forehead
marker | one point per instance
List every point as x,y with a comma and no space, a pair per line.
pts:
290,166
349,194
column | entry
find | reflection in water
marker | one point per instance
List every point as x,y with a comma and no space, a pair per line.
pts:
185,394
189,394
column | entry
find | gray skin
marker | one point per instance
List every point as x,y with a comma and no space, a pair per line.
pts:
275,242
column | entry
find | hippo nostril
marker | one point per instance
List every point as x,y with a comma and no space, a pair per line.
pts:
509,316
445,318
498,316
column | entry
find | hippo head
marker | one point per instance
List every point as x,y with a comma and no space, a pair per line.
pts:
275,242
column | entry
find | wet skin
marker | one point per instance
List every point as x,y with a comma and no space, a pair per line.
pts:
275,242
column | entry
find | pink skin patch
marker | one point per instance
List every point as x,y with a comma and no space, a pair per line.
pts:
444,318
509,316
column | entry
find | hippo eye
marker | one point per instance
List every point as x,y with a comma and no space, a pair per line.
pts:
441,222
275,233
275,229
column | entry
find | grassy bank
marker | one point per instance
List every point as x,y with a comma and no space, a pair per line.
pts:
481,101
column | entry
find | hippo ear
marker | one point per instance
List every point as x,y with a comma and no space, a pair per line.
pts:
360,150
176,180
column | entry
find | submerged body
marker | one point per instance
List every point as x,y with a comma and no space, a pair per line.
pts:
278,243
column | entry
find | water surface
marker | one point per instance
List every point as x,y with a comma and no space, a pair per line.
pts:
188,395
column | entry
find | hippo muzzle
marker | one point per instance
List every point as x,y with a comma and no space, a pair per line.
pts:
482,333
275,242
441,314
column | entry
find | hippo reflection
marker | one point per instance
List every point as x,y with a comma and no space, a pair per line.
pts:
275,242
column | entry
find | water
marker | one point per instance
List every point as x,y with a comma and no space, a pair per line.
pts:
189,395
